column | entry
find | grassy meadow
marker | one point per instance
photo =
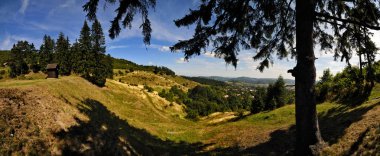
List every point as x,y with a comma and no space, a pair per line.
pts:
79,117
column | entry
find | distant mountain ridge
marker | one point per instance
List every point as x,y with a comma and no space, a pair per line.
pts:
250,80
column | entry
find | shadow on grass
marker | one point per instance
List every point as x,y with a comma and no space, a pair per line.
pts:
333,123
107,134
280,143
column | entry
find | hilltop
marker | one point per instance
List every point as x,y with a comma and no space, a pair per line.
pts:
70,115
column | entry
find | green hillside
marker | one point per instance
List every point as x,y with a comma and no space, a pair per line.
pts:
71,116
4,56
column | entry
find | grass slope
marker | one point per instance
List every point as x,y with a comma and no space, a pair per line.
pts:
71,116
158,82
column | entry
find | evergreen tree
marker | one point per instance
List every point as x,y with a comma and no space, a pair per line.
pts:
85,58
279,91
46,53
258,102
76,56
101,63
270,102
63,54
22,54
108,63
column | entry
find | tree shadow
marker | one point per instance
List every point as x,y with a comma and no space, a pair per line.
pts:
281,143
334,122
106,134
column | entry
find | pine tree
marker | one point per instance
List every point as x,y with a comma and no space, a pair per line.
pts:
279,92
63,55
84,56
100,62
76,56
46,53
258,102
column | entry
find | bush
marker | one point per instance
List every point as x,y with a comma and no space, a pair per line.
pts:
120,73
2,72
192,114
149,89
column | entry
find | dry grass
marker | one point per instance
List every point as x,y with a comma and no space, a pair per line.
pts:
158,82
143,121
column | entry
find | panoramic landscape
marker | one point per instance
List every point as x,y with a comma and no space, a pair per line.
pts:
189,77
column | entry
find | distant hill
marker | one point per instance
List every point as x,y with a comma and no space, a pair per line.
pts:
131,66
248,80
206,81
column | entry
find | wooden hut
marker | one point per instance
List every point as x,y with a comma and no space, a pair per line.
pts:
52,70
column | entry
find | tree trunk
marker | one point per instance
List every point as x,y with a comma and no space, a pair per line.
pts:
307,128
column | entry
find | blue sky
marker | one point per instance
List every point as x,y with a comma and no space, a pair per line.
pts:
31,19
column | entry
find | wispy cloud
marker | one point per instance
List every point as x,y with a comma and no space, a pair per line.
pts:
67,4
117,47
45,27
9,40
24,6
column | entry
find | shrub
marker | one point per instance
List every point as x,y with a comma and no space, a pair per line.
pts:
149,89
120,73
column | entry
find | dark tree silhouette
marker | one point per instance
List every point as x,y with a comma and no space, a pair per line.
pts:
125,14
85,58
64,55
46,52
279,28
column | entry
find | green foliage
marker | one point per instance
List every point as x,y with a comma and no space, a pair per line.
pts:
206,81
5,56
85,56
149,89
91,61
347,87
131,66
276,94
258,102
21,54
46,53
324,85
64,55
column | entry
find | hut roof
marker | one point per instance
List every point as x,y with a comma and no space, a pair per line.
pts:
52,66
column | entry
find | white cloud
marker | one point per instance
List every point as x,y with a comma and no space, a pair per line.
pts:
164,48
6,43
24,6
209,54
181,60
